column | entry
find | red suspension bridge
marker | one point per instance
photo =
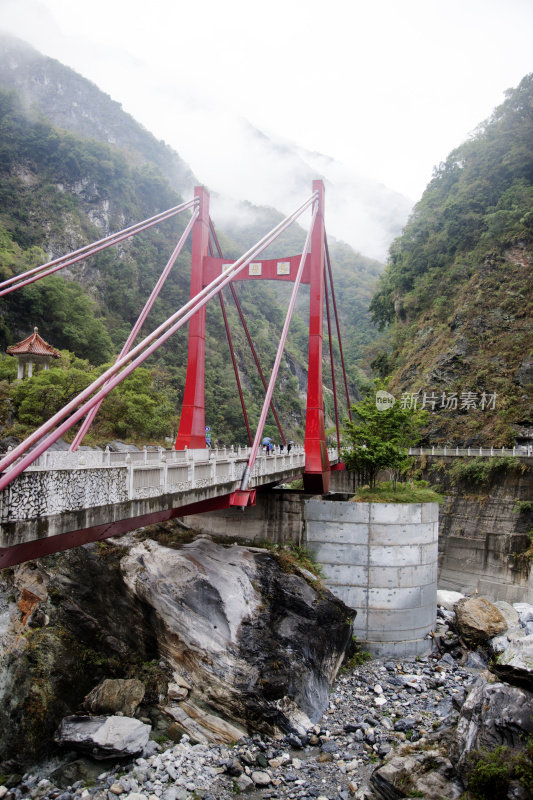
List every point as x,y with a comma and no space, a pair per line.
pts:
210,273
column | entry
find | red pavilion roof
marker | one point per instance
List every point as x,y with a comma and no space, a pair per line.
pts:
33,345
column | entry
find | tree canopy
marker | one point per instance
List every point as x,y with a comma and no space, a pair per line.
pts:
378,438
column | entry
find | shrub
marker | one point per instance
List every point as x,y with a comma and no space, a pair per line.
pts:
482,471
490,772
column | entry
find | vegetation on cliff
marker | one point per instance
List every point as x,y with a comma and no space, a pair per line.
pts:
457,292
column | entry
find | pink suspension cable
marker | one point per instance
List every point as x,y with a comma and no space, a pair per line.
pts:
255,447
228,334
139,353
88,250
338,329
235,367
86,424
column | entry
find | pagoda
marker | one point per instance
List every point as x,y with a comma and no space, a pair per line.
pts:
32,350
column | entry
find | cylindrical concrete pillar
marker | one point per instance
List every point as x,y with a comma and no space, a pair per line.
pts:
381,559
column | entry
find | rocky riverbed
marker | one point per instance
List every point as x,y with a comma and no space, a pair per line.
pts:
373,709
263,660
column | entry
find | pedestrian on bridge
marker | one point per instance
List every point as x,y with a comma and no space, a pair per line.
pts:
289,445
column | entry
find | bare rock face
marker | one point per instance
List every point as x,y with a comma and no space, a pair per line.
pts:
104,737
493,714
478,620
258,647
112,696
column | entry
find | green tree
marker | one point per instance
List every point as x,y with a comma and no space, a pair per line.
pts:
38,398
138,409
379,439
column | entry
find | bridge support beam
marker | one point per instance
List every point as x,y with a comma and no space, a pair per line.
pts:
317,470
191,431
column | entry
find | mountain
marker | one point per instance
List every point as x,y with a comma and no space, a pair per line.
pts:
75,167
457,294
75,104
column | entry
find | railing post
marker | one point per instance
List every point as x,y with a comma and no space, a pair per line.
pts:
492,450
165,472
129,478
190,467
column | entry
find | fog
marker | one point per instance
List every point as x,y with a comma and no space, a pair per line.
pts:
251,95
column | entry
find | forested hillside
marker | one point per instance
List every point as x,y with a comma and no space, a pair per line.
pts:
458,294
60,190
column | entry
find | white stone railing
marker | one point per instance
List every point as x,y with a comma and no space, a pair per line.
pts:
62,481
448,450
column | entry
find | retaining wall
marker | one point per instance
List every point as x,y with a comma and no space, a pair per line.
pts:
381,559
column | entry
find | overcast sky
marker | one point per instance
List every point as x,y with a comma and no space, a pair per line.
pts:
387,87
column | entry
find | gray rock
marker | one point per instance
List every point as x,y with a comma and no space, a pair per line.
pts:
515,663
525,612
447,599
121,447
229,614
475,660
509,613
448,659
245,783
261,778
104,737
428,774
499,643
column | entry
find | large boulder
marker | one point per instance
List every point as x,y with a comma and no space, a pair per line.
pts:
478,620
113,696
104,737
258,646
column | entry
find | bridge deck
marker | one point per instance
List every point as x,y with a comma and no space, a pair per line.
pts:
67,499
